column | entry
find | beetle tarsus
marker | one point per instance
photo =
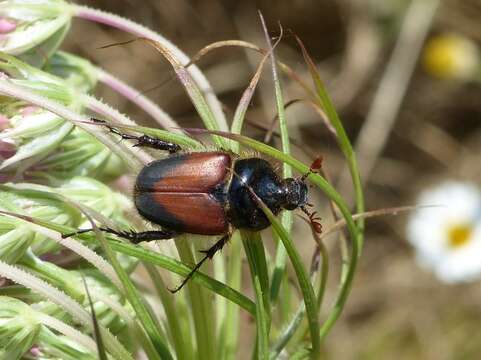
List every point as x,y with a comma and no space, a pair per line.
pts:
142,140
134,237
209,254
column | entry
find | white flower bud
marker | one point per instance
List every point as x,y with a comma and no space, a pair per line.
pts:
25,24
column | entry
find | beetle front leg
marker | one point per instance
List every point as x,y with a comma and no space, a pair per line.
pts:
132,236
142,140
209,254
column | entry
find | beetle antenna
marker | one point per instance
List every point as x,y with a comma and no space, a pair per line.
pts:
314,168
209,254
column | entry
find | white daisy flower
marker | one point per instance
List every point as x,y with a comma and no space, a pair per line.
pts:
447,237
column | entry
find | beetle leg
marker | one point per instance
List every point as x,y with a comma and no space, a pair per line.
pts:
209,254
143,140
134,237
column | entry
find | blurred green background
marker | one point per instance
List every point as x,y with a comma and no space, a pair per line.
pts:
413,130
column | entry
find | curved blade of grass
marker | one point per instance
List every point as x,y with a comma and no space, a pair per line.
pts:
345,145
231,313
135,96
182,344
196,96
256,258
179,268
247,45
288,332
149,323
67,330
229,330
286,216
348,270
249,92
68,304
314,105
302,277
9,89
245,101
262,345
141,31
296,321
154,258
97,334
152,328
202,308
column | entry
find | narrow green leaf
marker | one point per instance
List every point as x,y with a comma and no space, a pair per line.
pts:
150,325
202,309
302,277
181,341
286,216
229,330
154,258
262,322
201,105
98,336
256,258
346,148
326,103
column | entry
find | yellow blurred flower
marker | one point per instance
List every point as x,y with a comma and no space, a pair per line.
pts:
451,56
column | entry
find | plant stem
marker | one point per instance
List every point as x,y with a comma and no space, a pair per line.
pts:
141,31
17,92
182,343
286,216
135,96
202,311
229,331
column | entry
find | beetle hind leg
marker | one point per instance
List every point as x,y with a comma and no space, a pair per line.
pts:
134,237
142,140
209,254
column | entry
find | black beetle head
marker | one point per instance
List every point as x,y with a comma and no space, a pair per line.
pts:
295,193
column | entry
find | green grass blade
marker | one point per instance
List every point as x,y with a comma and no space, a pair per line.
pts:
346,148
202,308
154,258
286,216
229,331
288,332
296,320
179,268
256,258
145,317
326,103
262,322
182,344
302,277
255,251
245,101
98,336
195,94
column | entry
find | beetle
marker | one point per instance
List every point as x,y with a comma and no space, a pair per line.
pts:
208,193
